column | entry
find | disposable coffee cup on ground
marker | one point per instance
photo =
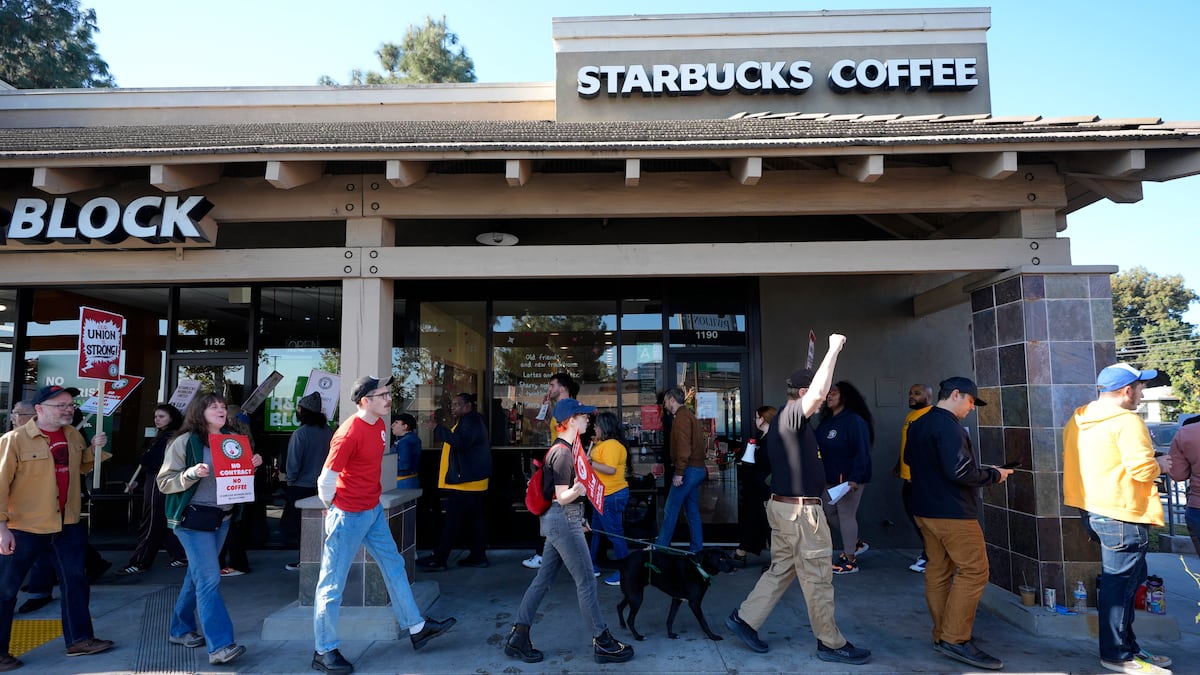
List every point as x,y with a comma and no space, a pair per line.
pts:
1028,595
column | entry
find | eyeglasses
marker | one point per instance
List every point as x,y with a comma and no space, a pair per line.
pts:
59,406
386,394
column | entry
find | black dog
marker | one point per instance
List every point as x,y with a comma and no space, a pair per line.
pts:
677,575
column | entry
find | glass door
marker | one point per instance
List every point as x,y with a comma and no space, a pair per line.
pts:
224,376
714,384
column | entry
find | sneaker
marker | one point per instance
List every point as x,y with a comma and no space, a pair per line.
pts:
1157,659
230,572
847,653
9,662
845,565
192,639
919,565
331,661
596,572
743,630
177,564
431,563
128,571
292,566
89,646
226,654
861,547
432,629
533,562
1135,665
969,654
613,579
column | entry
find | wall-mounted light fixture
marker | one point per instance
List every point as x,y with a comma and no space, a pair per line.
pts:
497,239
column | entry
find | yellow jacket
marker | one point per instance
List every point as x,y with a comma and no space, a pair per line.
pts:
28,489
1108,464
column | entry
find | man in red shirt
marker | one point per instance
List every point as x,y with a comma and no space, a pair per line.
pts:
350,487
40,465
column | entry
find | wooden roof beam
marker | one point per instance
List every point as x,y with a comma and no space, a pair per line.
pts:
746,170
989,165
1115,164
178,177
864,169
633,172
1117,191
288,175
1171,164
65,181
517,171
403,173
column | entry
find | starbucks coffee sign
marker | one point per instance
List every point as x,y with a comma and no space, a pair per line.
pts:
142,222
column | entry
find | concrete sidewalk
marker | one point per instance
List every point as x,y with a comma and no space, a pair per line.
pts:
881,608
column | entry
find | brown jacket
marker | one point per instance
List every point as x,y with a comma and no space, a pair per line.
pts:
687,441
28,490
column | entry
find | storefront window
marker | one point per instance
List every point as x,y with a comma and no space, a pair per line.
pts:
299,332
213,320
642,361
534,340
443,352
691,329
8,333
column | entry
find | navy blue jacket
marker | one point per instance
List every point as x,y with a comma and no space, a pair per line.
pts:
470,449
845,442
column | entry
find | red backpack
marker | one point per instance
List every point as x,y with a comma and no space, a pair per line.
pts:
535,492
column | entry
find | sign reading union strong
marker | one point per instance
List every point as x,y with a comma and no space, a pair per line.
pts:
144,221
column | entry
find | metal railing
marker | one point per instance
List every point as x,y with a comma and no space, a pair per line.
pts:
1174,498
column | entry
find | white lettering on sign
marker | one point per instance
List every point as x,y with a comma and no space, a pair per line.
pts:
948,74
690,79
791,77
156,220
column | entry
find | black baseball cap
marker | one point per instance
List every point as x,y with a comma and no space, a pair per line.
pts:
50,391
800,379
365,385
964,385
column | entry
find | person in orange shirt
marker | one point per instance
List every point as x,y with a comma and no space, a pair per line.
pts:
920,400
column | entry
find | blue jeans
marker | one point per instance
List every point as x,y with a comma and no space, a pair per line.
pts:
201,592
346,532
687,497
66,554
1192,518
610,522
565,547
1123,556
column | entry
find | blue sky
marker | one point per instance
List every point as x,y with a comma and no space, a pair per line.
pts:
1048,57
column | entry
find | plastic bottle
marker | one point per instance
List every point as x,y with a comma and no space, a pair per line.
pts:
1080,598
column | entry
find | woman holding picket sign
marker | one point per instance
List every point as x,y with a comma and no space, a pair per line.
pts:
201,523
566,546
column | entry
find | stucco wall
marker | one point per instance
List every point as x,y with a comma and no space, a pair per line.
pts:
887,350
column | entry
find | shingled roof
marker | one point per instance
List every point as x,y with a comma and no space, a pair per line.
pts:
745,131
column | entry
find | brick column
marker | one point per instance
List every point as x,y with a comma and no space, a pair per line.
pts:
1040,338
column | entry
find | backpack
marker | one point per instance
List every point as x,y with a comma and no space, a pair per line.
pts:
535,496
535,492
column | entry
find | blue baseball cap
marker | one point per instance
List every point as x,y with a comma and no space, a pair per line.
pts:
567,408
1122,375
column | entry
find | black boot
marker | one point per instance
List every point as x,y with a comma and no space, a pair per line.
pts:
519,645
609,650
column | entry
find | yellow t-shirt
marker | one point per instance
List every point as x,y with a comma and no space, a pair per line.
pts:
480,485
612,453
908,419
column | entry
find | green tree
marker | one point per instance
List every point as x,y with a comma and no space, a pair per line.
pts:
427,54
1151,332
47,44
